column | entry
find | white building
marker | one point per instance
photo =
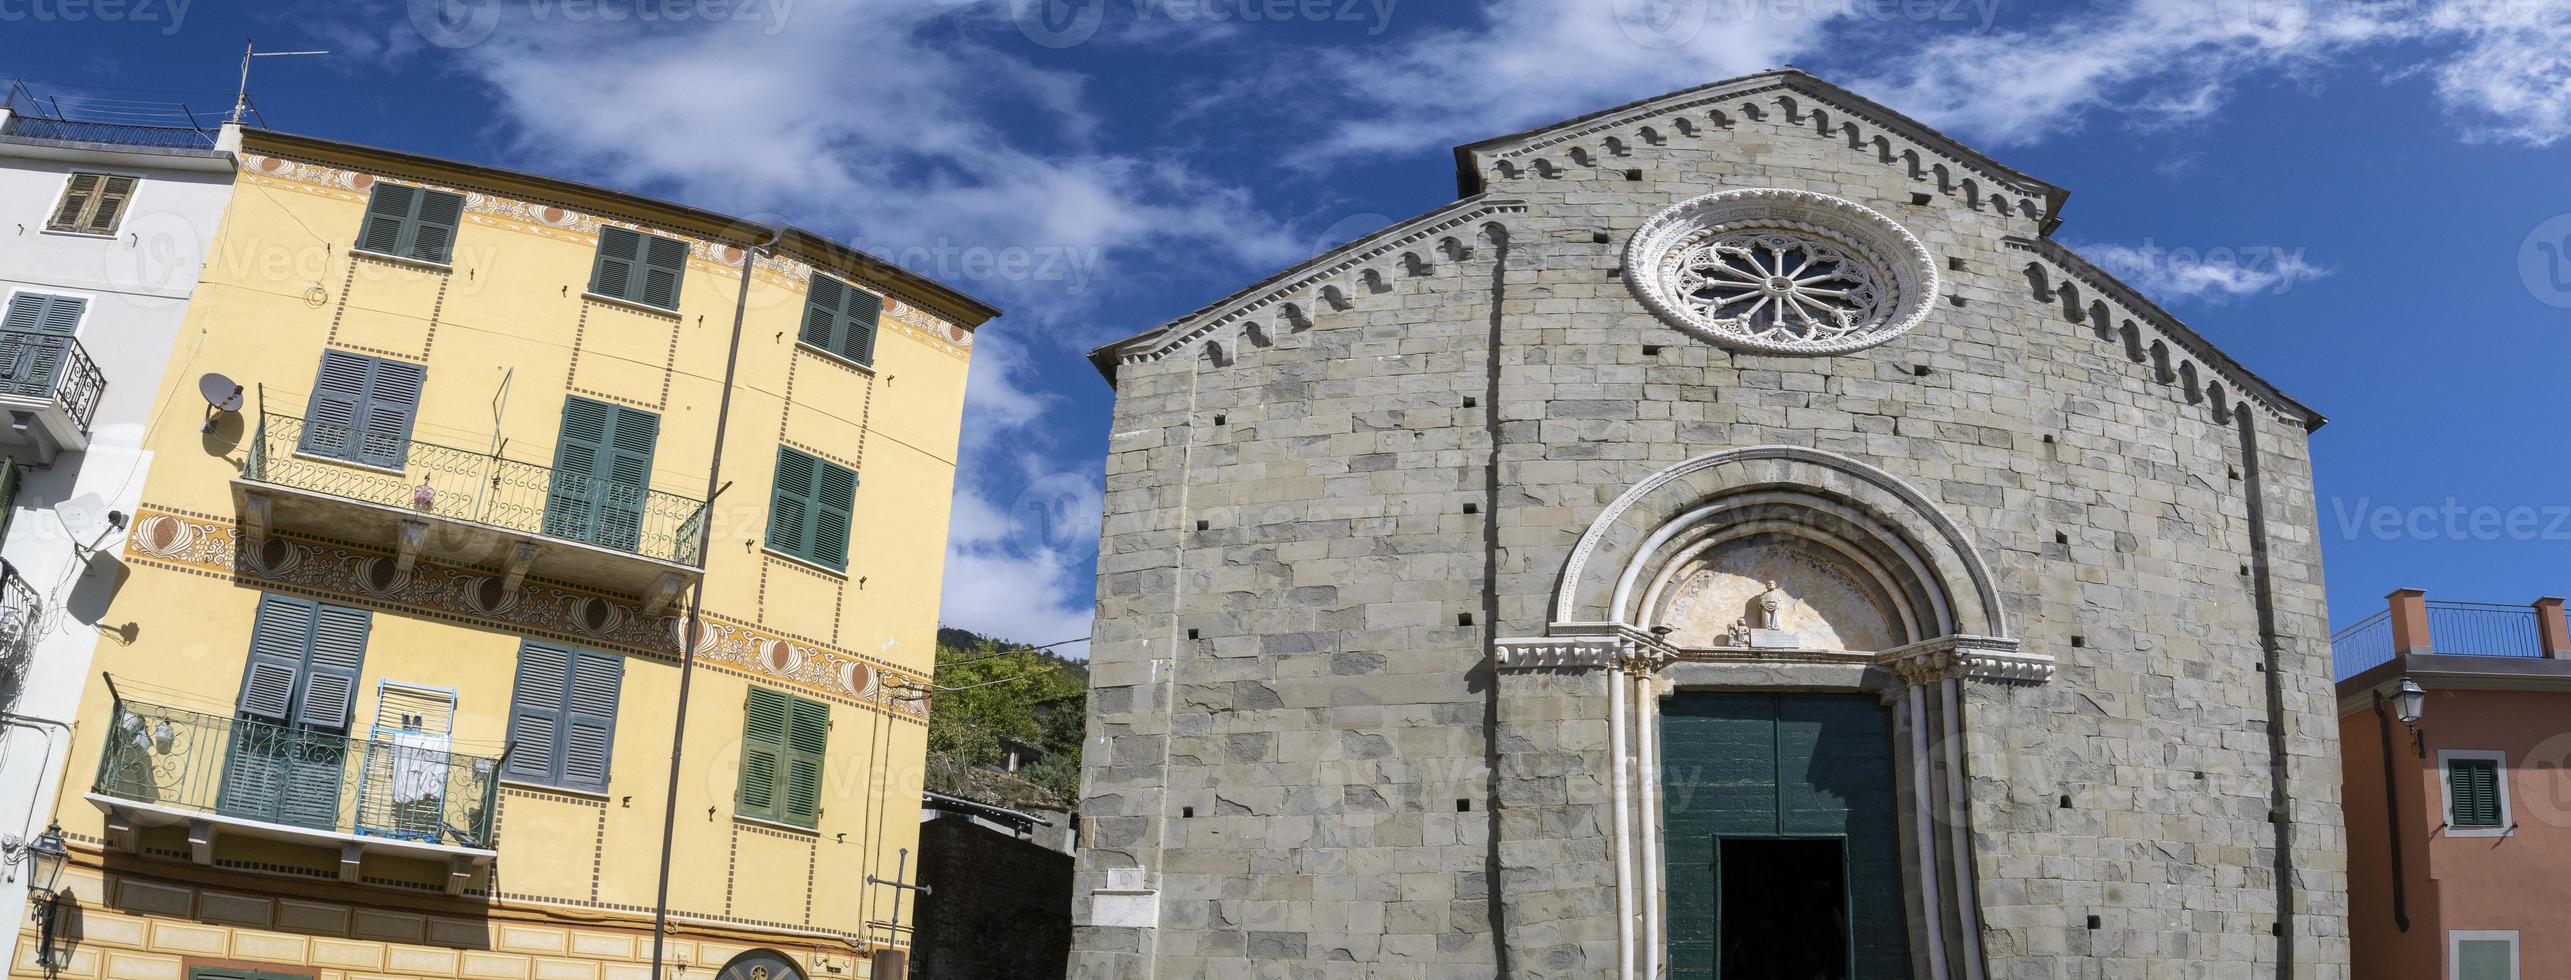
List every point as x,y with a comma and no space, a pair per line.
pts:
103,234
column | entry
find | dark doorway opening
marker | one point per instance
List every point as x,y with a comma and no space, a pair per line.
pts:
1784,908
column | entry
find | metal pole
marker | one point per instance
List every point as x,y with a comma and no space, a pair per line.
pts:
696,607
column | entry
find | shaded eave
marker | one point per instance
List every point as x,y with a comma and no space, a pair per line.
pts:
2452,672
967,310
1468,178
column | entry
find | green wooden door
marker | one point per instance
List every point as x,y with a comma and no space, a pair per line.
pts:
602,473
1800,767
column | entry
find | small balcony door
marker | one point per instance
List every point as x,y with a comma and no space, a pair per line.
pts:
602,474
286,762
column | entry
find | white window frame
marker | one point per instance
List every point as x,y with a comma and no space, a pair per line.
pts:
2456,938
2446,793
140,179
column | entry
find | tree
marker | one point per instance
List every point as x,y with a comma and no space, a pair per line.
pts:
988,691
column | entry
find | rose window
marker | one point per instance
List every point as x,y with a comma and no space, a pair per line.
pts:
1781,272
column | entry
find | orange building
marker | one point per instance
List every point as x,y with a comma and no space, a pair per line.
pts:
2453,739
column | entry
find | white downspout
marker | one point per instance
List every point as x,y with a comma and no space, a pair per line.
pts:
1647,730
1624,819
1968,924
1929,900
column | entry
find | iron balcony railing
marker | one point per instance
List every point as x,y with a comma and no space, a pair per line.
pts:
111,134
2483,629
485,489
51,366
409,789
2360,647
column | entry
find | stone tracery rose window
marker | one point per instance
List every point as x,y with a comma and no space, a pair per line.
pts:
1783,272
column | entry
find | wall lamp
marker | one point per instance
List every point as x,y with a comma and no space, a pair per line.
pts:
2409,701
44,859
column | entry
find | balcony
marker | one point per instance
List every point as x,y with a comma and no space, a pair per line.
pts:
468,508
389,797
110,134
2415,624
50,388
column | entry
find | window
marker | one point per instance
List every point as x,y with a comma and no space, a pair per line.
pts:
35,336
2482,954
411,222
840,318
362,408
562,716
92,203
638,268
808,517
2477,799
288,747
602,473
782,741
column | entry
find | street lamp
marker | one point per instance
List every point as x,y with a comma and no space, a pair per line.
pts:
44,859
2409,701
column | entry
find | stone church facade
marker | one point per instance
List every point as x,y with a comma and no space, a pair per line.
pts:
1731,539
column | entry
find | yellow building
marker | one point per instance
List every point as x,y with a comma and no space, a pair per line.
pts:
390,684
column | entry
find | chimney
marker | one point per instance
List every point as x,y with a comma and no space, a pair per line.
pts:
2409,621
2550,629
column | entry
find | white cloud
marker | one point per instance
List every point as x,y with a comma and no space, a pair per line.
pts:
2212,275
1021,571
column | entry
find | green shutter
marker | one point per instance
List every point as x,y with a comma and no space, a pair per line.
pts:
280,637
639,268
841,319
535,712
809,515
763,748
388,215
433,225
602,473
807,742
619,250
2474,786
286,759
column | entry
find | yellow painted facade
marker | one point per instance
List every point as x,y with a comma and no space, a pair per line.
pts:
505,333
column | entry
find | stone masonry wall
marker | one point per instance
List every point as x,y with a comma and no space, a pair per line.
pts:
1294,720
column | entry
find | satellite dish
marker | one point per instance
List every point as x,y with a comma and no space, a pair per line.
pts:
222,395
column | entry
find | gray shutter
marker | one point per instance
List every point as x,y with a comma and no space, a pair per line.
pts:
834,498
571,506
338,656
433,224
664,265
821,323
279,638
535,712
388,216
392,405
338,401
589,713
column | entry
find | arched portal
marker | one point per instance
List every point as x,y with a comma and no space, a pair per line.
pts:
760,964
1822,601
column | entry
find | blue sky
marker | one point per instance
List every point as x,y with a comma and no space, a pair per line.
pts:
2367,201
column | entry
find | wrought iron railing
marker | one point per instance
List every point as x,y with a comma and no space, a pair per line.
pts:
482,488
2483,629
2360,647
51,365
406,789
111,134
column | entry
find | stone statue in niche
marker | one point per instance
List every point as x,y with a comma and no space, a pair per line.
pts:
1770,633
1770,602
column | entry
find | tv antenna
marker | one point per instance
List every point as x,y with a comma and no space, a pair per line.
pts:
249,50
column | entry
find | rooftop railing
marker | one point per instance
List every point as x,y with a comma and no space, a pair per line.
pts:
39,365
110,134
483,488
2452,628
2359,648
298,777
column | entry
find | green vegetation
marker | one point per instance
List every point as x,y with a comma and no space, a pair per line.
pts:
991,693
